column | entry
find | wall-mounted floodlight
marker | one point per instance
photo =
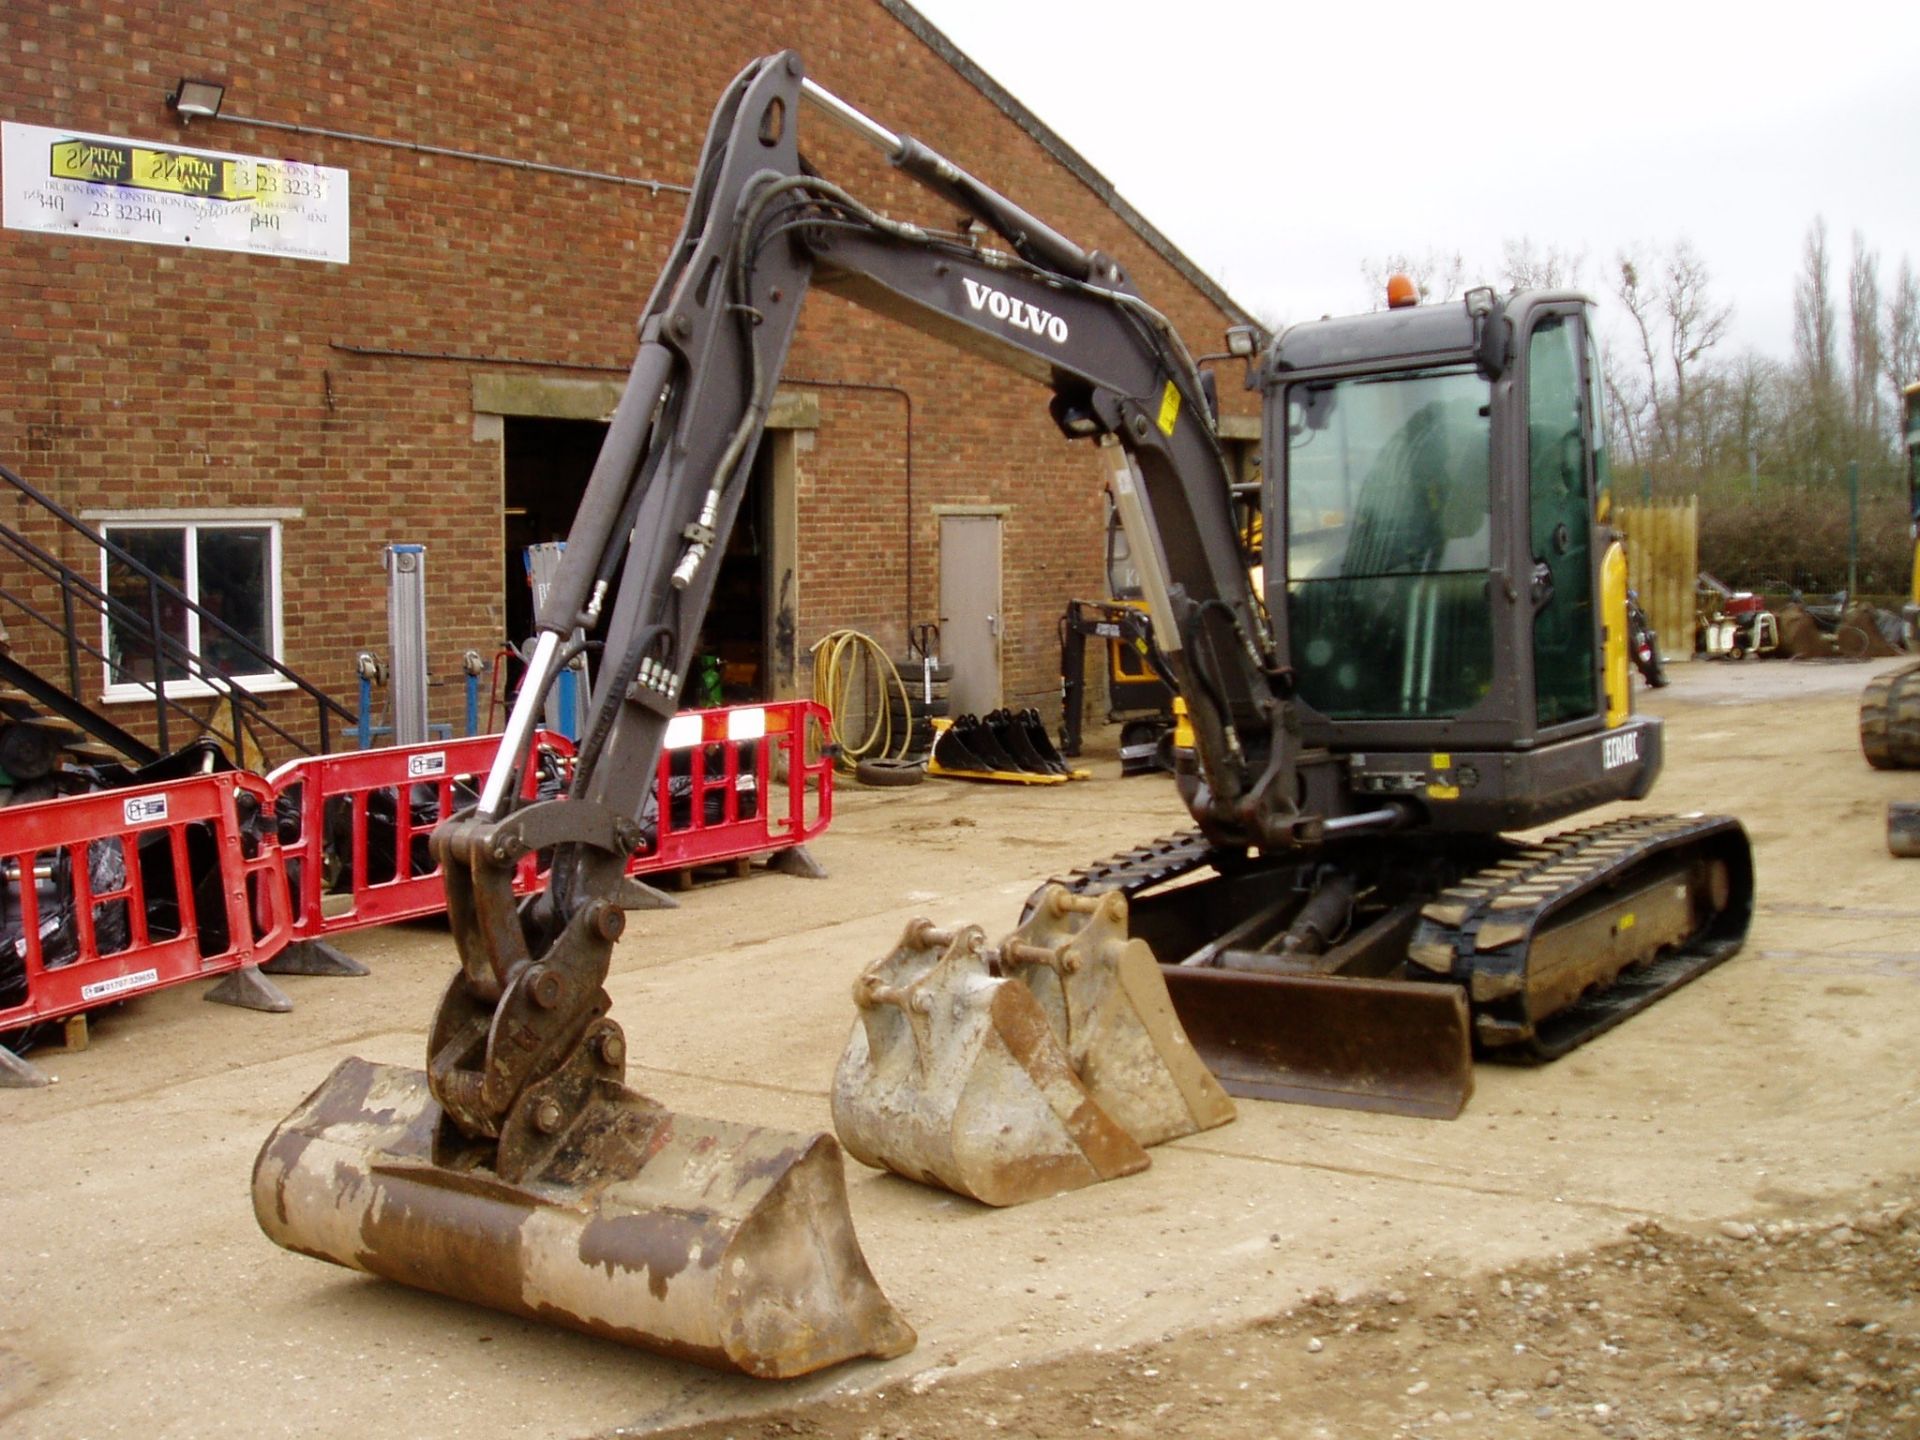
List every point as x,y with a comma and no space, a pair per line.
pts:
193,99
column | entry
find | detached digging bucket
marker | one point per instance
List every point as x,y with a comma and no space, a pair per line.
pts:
953,1077
726,1244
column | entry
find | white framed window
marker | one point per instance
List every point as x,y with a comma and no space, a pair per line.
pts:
228,563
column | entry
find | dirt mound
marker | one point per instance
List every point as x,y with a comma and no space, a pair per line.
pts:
1783,1327
1800,637
1864,631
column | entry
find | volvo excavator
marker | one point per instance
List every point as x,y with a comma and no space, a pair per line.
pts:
1438,657
1890,706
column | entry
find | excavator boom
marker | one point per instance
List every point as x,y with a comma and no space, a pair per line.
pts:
521,1114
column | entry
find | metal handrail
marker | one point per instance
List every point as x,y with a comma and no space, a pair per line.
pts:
168,651
161,643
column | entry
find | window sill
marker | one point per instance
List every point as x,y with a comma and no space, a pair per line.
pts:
194,690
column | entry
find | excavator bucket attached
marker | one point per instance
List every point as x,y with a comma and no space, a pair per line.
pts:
1104,995
726,1244
954,1077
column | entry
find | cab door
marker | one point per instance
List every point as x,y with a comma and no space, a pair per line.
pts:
1561,525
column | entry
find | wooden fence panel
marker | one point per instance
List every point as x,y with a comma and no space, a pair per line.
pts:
1663,562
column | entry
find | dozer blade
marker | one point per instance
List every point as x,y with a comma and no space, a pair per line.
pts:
721,1243
953,1077
1399,1046
1105,998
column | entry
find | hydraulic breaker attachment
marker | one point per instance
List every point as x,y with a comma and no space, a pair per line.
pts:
725,1244
517,1171
1104,995
954,1077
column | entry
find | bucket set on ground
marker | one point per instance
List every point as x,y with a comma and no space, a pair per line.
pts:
1049,1062
1011,746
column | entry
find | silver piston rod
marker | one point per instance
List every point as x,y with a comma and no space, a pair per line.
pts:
614,472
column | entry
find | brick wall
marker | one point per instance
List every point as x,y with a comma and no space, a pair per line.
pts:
145,376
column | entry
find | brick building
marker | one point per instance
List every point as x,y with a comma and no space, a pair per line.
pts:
282,419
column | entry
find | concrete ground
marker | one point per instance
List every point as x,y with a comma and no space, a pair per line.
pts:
140,1298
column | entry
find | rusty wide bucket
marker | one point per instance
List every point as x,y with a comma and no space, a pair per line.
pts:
726,1244
953,1077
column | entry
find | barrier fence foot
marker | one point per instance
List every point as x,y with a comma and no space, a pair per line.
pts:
797,860
250,990
313,957
638,895
18,1074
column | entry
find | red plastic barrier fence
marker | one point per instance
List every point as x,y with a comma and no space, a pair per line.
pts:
353,827
733,783
119,892
739,781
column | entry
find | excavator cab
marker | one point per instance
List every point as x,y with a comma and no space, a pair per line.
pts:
1441,577
1438,557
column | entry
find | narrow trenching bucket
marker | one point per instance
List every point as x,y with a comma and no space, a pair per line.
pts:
1104,995
954,1077
726,1244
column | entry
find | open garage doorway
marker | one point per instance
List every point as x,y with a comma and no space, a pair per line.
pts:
547,464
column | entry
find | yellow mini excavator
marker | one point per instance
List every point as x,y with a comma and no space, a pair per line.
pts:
1890,706
1436,654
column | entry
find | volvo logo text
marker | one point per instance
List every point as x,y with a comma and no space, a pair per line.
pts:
1015,312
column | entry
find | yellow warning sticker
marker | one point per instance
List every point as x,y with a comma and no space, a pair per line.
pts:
1169,408
1626,921
1441,761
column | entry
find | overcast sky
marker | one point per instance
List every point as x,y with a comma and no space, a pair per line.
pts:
1280,145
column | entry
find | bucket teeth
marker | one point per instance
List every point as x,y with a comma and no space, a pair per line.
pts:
954,1077
726,1244
1104,995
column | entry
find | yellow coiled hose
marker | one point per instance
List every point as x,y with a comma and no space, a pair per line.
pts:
852,676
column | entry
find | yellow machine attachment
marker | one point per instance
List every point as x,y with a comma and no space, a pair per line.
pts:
1009,1075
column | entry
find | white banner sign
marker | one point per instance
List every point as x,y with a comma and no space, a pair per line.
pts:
66,182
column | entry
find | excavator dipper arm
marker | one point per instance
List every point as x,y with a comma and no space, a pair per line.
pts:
522,1033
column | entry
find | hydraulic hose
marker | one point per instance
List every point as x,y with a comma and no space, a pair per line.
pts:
848,668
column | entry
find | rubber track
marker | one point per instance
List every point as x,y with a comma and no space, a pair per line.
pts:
1539,879
1135,870
1890,719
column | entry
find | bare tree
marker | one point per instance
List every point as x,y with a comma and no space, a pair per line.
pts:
1900,355
1695,323
1637,299
1819,420
1522,267
1863,335
1627,406
1813,322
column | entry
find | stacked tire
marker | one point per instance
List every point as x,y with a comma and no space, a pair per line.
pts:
926,700
1890,720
